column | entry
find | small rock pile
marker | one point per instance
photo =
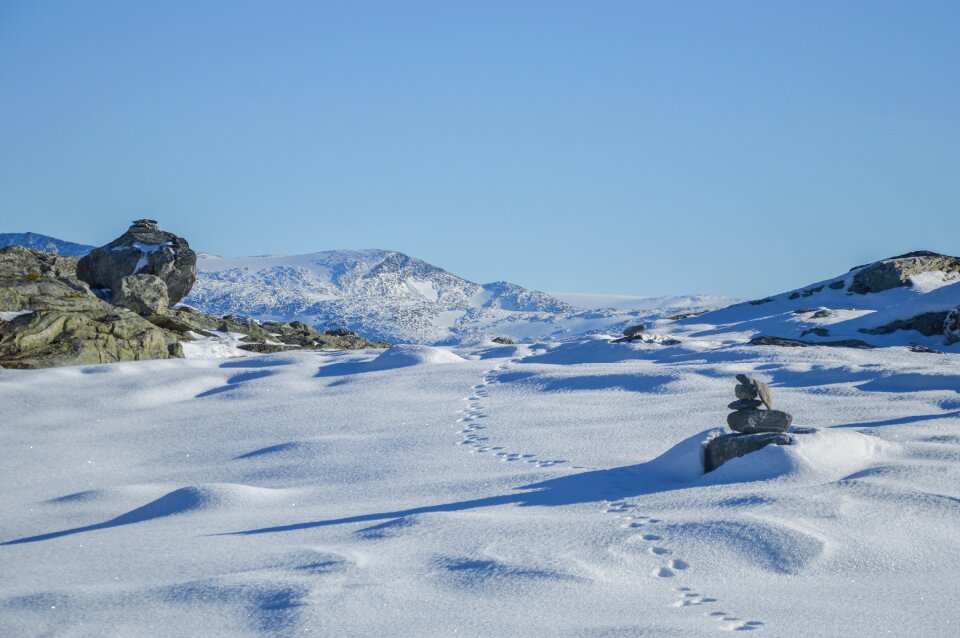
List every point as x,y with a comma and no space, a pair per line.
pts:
747,416
753,428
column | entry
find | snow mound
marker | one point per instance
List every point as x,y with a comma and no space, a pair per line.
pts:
820,455
403,356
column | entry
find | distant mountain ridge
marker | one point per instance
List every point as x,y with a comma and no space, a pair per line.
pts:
382,293
385,294
45,243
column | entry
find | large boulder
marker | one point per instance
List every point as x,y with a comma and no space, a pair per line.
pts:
143,249
721,449
143,294
897,271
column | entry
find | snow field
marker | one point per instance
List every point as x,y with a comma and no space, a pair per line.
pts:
484,491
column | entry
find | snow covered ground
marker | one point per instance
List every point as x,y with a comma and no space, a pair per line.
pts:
541,489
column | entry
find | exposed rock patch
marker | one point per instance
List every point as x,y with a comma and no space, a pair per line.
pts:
143,249
896,271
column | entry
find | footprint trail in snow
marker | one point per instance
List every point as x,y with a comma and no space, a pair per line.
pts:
472,427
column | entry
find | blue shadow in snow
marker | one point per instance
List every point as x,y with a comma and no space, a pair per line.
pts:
627,382
905,420
176,502
677,468
280,447
236,381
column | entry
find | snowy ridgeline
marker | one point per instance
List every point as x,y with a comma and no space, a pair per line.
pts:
391,296
485,490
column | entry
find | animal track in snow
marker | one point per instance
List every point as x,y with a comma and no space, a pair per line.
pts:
470,429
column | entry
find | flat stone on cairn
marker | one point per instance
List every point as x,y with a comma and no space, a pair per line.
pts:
753,428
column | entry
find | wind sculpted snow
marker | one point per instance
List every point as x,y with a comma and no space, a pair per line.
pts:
485,490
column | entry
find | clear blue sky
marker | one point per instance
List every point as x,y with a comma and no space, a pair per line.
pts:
633,147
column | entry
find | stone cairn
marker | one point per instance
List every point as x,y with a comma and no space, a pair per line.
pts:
753,428
747,417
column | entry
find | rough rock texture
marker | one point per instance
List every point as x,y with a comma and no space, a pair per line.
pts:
143,249
143,294
896,271
721,449
506,341
799,343
67,324
951,327
46,339
30,280
631,331
929,324
752,421
744,391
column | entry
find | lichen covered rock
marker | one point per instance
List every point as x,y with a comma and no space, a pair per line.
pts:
143,294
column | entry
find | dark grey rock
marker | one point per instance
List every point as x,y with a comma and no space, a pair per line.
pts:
929,324
143,294
506,341
745,404
915,347
744,391
143,249
631,331
799,343
820,332
721,449
896,271
686,315
751,421
951,327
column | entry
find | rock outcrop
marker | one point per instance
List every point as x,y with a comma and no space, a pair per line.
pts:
896,271
49,317
53,319
143,250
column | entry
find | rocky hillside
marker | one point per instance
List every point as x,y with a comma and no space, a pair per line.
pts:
394,297
911,299
376,292
51,316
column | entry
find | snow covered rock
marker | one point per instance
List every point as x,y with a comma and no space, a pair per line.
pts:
721,449
143,249
898,271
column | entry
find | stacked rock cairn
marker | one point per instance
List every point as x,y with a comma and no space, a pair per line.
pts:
747,417
753,428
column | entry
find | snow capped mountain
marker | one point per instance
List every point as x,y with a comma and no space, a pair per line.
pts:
388,295
45,243
378,293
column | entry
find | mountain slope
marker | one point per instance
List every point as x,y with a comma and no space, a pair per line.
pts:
45,243
378,293
895,301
